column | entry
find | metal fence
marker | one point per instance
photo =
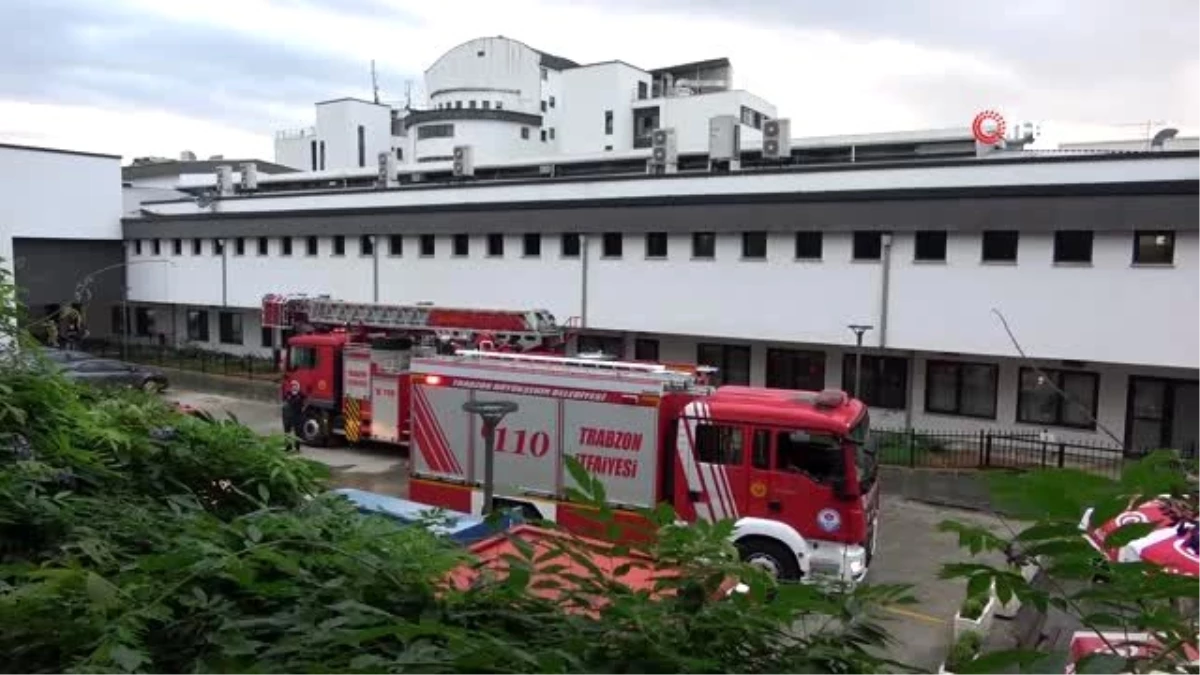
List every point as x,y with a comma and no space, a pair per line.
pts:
198,360
993,449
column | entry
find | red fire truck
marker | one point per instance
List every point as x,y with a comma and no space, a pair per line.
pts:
349,361
795,470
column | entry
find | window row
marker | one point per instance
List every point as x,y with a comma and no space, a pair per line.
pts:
144,322
472,104
1070,246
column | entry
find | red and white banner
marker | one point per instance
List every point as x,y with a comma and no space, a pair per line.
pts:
1173,546
1124,645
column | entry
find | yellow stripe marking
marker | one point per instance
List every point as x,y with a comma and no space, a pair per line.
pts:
908,613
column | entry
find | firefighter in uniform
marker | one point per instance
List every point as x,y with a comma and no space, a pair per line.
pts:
293,415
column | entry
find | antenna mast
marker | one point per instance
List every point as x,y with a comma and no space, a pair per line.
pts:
408,94
374,82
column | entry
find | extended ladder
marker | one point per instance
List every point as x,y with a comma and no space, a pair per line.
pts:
658,371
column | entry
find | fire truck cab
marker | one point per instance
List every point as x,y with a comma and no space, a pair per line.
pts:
794,470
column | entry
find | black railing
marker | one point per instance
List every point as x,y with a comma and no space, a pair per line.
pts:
994,449
183,358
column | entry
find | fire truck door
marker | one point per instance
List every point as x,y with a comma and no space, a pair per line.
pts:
800,489
721,470
759,474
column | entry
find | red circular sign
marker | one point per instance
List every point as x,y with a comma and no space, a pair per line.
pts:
988,127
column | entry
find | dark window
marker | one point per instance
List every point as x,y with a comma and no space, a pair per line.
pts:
263,245
230,328
808,246
719,444
487,105
611,245
285,246
322,155
143,321
495,245
645,349
760,457
817,456
543,135
137,246
643,90
1000,245
313,147
544,106
525,133
499,105
731,361
656,244
428,245
954,388
1154,248
570,245
156,246
396,244
608,122
545,75
310,245
460,245
197,325
176,247
435,131
339,245
884,380
471,104
930,246
118,326
218,247
531,245
551,133
704,245
362,146
795,369
754,245
1039,403
399,154
1073,246
302,358
239,246
609,345
267,336
366,245
197,246
551,101
868,245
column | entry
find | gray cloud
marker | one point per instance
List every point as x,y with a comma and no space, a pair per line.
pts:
63,52
1087,60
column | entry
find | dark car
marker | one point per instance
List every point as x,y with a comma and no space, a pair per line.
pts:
65,355
109,372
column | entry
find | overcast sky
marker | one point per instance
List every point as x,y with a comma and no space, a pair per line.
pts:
154,77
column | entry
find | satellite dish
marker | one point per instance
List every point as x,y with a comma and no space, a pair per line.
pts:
1162,137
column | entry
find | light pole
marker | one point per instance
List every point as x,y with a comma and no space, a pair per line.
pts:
491,412
859,329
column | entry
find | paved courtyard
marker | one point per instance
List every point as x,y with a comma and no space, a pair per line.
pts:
910,548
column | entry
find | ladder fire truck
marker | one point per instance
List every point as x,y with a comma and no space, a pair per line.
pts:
795,470
349,361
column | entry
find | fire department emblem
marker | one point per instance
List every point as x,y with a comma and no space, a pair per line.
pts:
829,520
758,489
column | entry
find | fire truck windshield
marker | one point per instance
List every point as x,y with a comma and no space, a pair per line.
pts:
866,458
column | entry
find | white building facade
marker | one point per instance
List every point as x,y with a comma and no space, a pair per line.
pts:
1091,259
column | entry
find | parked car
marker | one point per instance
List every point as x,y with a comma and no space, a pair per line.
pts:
65,355
109,372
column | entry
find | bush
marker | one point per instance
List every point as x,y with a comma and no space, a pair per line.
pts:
963,651
972,608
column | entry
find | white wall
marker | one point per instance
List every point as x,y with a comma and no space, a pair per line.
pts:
508,71
294,151
689,115
587,92
337,126
491,139
57,195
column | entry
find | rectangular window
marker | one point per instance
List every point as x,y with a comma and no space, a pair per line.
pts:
955,388
608,122
495,245
176,247
1154,248
545,75
1073,246
704,245
322,155
543,135
137,246
608,345
457,106
267,336
197,246
570,245
796,369
551,101
643,90
285,246
156,246
754,246
531,245
525,133
487,105
428,246
339,245
218,247
611,245
884,380
816,456
262,246
499,105
311,245
428,131
460,245
362,146
868,246
1000,246
731,361
471,104
143,322
719,444
551,133
929,246
808,246
645,349
366,245
656,244
197,325
239,246
230,328
313,148
396,244
1039,403
544,106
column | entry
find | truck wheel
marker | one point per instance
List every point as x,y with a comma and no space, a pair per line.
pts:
770,556
314,430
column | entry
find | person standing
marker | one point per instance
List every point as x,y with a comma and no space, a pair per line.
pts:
293,415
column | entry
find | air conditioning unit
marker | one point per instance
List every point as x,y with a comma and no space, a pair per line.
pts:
777,139
387,171
664,153
724,138
249,171
224,180
464,160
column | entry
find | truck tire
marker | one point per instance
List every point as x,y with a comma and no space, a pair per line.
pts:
314,429
771,556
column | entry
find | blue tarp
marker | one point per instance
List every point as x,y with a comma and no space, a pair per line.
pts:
459,527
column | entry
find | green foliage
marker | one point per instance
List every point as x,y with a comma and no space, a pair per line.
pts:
972,608
963,651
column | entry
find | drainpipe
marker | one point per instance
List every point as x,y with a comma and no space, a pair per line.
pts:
224,272
375,264
885,278
583,282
